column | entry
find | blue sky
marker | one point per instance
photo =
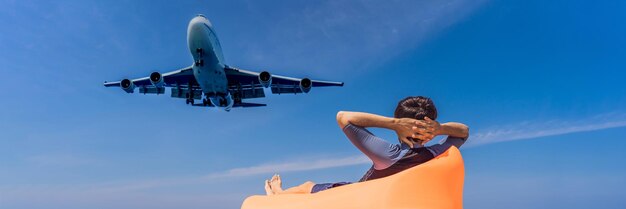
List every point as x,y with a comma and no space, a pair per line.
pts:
540,83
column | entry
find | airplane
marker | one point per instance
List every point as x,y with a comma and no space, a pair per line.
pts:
221,85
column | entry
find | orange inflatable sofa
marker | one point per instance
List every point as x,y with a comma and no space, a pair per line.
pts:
436,184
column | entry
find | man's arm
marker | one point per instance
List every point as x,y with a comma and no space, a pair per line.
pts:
454,129
405,127
364,120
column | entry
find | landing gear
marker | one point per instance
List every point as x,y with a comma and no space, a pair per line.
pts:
223,102
200,61
189,99
219,100
237,100
237,93
199,51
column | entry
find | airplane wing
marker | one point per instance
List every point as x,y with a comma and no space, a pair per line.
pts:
181,77
242,84
279,84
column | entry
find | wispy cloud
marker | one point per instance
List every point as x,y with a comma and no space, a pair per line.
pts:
520,131
291,166
535,129
347,35
265,168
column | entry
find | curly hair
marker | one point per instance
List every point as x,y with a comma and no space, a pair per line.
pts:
416,107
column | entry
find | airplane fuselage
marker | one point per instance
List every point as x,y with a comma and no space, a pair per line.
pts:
208,67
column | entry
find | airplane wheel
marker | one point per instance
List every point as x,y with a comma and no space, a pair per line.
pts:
199,51
187,101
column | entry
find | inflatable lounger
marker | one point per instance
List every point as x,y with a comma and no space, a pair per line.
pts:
436,184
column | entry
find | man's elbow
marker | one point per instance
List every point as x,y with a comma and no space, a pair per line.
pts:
342,119
465,131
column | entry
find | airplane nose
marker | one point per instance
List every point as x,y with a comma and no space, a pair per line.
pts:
200,20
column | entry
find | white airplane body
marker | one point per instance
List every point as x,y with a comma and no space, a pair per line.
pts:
222,86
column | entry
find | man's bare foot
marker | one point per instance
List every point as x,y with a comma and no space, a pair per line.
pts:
268,189
276,184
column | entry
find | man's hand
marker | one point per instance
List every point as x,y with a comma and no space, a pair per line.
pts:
426,130
406,129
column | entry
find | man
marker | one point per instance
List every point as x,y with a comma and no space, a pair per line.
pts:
415,124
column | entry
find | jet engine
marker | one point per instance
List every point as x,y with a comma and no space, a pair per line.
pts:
305,85
127,85
265,78
156,79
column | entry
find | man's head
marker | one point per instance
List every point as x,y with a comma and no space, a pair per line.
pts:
416,107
